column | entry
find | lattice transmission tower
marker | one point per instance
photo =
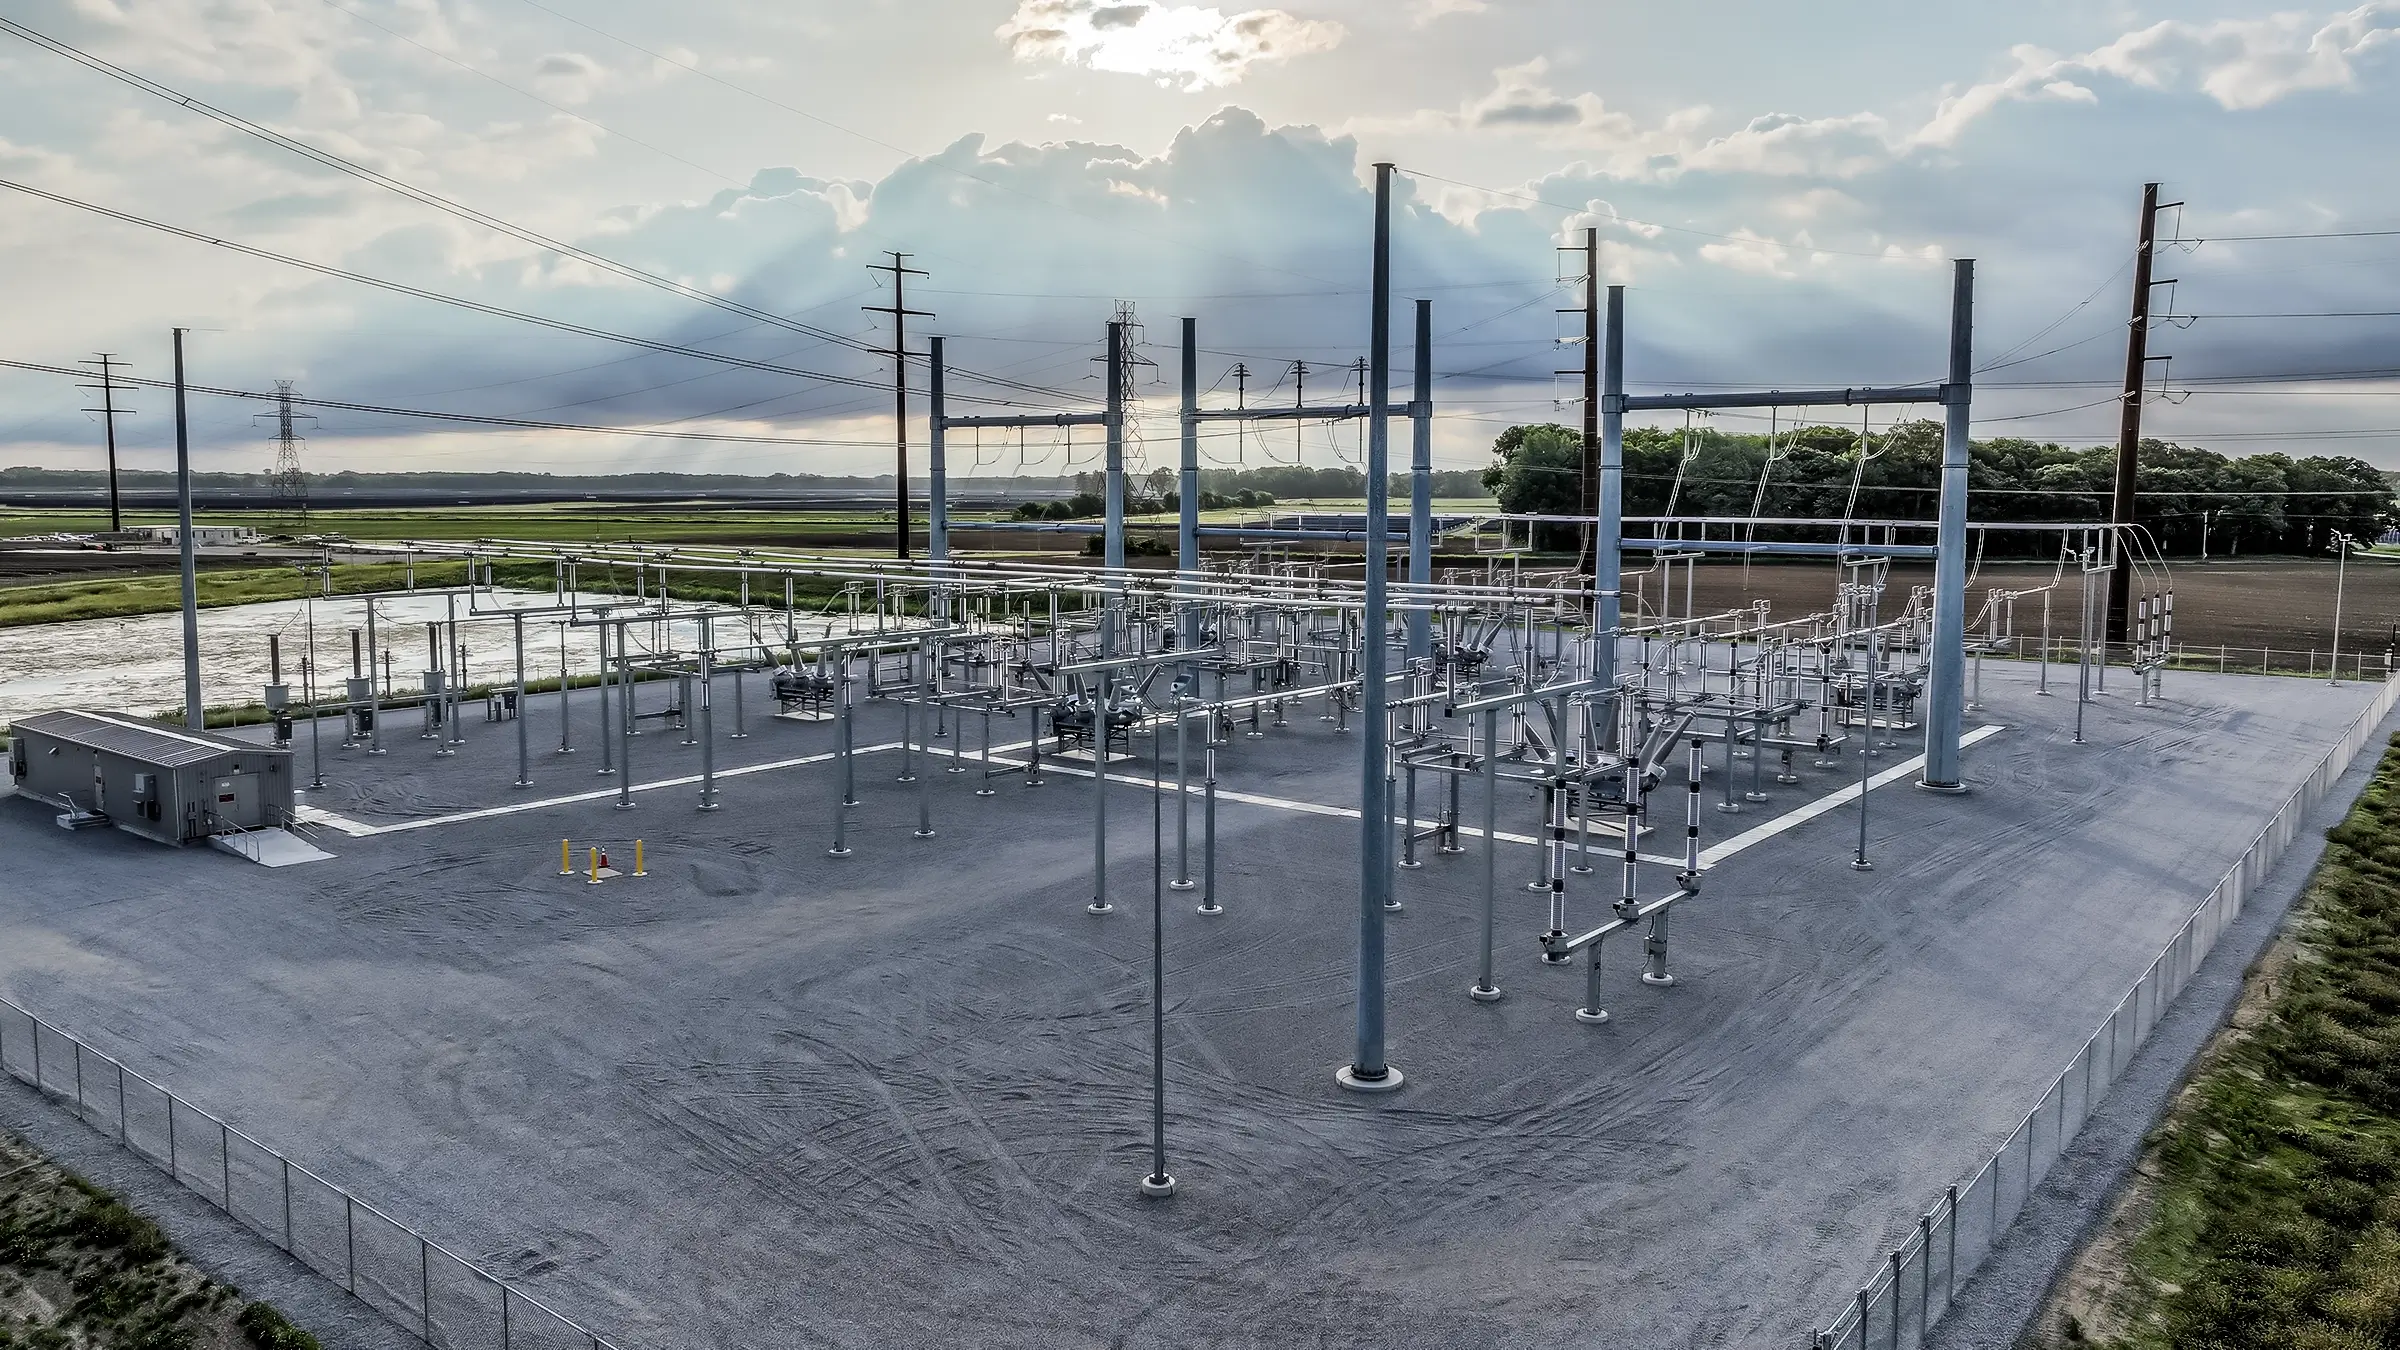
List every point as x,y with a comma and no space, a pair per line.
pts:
288,484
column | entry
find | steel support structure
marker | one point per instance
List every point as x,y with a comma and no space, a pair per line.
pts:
1368,1069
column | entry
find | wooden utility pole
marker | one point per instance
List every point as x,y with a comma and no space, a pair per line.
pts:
900,312
108,411
2129,422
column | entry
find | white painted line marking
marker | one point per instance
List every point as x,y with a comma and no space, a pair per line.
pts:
1710,857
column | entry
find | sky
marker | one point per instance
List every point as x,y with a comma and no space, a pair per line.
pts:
1782,189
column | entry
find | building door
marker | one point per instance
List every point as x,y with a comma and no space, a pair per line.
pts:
233,802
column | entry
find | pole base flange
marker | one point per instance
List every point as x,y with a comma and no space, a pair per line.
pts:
1948,789
1183,885
922,834
837,853
1484,994
1099,907
1557,958
1211,908
1348,1077
1657,981
1861,865
1591,1016
1158,1187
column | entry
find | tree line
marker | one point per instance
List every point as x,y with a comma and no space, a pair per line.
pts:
2263,503
1221,489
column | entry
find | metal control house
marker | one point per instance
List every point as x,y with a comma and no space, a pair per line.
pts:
162,783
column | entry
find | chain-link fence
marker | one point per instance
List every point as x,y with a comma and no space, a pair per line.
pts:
439,1297
2350,663
1913,1287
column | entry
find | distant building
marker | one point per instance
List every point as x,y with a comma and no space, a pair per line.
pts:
203,536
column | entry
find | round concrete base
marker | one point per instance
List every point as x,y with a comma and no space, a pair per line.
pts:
1947,789
1158,1187
1182,885
1657,981
1483,995
1347,1076
1591,1016
1099,907
1210,909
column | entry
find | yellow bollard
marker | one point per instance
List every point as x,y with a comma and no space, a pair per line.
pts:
637,859
595,869
566,864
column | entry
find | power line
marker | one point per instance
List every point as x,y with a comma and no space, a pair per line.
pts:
461,302
1611,213
422,196
2257,238
473,419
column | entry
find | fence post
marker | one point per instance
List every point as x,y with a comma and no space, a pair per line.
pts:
1950,1199
37,1053
121,1137
503,1315
225,1161
1895,1337
425,1288
78,1076
287,1201
172,1170
1925,1274
349,1244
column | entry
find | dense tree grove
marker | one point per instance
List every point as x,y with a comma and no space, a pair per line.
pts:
2267,503
1223,488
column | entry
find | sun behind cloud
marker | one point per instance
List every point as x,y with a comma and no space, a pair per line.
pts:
1194,46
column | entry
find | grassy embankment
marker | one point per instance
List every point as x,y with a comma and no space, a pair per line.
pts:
161,593
79,1270
563,523
2266,1209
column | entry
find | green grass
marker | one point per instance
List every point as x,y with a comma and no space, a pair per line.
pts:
564,522
2276,1215
156,593
80,1268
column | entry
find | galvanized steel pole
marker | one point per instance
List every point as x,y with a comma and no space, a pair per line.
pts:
937,467
524,751
1420,490
1187,500
195,715
1367,1070
1608,553
1945,686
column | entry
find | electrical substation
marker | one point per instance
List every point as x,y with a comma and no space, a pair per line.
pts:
1353,924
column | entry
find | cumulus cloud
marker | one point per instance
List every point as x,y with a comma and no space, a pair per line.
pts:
2242,64
1423,12
1522,101
569,77
1192,46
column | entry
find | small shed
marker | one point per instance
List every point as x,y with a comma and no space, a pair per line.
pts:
163,783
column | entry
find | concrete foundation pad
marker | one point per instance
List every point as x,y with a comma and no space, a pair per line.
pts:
742,1103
